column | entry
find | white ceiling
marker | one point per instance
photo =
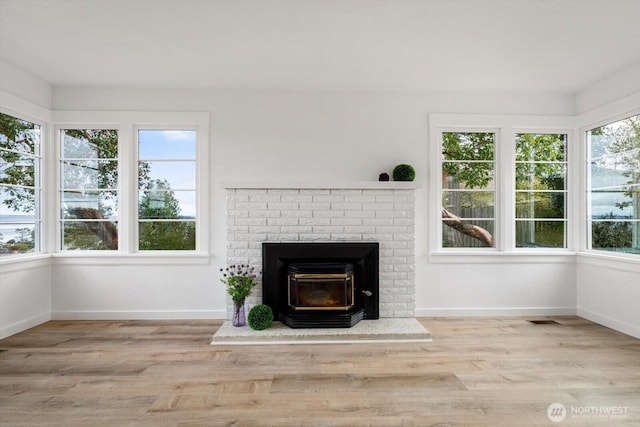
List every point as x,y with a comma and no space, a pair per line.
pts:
437,45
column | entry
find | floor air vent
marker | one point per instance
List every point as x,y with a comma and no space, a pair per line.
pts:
543,322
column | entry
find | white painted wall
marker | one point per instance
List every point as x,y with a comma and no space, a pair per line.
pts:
169,288
26,87
25,295
609,293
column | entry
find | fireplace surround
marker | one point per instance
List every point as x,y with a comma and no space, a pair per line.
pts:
328,263
292,212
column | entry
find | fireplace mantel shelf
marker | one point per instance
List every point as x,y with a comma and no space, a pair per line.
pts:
363,185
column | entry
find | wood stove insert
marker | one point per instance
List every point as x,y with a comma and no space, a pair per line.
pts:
321,285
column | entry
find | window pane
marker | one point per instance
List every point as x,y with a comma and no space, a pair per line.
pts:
540,234
167,235
17,237
540,205
17,169
614,203
158,204
536,176
177,175
467,175
167,144
89,204
461,234
19,135
89,174
89,235
614,183
468,145
89,191
89,143
617,236
541,147
470,204
18,201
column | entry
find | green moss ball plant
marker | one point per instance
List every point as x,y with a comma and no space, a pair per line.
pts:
404,172
260,317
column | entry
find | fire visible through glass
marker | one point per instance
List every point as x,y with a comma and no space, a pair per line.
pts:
321,286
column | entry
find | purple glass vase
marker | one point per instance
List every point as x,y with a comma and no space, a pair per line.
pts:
239,318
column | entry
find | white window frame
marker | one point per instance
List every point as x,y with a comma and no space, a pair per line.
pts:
58,158
568,190
40,221
496,190
198,166
126,123
505,127
585,127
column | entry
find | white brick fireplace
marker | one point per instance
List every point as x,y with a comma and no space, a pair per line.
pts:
381,212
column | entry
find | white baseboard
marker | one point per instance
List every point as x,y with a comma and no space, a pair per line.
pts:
23,325
497,311
625,328
139,315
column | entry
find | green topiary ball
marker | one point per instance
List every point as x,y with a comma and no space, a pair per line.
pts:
260,317
404,172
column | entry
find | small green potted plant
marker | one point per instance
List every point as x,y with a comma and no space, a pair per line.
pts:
404,172
240,280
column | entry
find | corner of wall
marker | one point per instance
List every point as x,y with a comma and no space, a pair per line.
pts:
15,82
612,88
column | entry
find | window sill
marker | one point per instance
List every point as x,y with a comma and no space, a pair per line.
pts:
163,258
624,262
519,257
18,262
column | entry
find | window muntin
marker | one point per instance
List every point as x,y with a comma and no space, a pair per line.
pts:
89,189
468,189
167,189
20,186
614,186
540,195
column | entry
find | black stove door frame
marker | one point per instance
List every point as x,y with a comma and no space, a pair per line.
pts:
363,255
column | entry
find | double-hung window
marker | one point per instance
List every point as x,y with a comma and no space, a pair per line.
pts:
166,189
541,190
468,189
89,189
613,190
20,186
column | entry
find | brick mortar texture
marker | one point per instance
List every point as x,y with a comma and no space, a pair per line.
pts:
255,216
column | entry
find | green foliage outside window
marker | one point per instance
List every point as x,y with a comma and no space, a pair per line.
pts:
615,186
161,226
19,185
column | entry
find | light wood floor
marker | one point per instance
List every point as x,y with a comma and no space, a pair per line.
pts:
479,371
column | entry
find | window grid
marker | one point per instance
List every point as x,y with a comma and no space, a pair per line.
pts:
21,232
88,192
541,212
468,192
163,223
613,187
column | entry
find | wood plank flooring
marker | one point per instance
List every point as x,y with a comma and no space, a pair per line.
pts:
477,371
